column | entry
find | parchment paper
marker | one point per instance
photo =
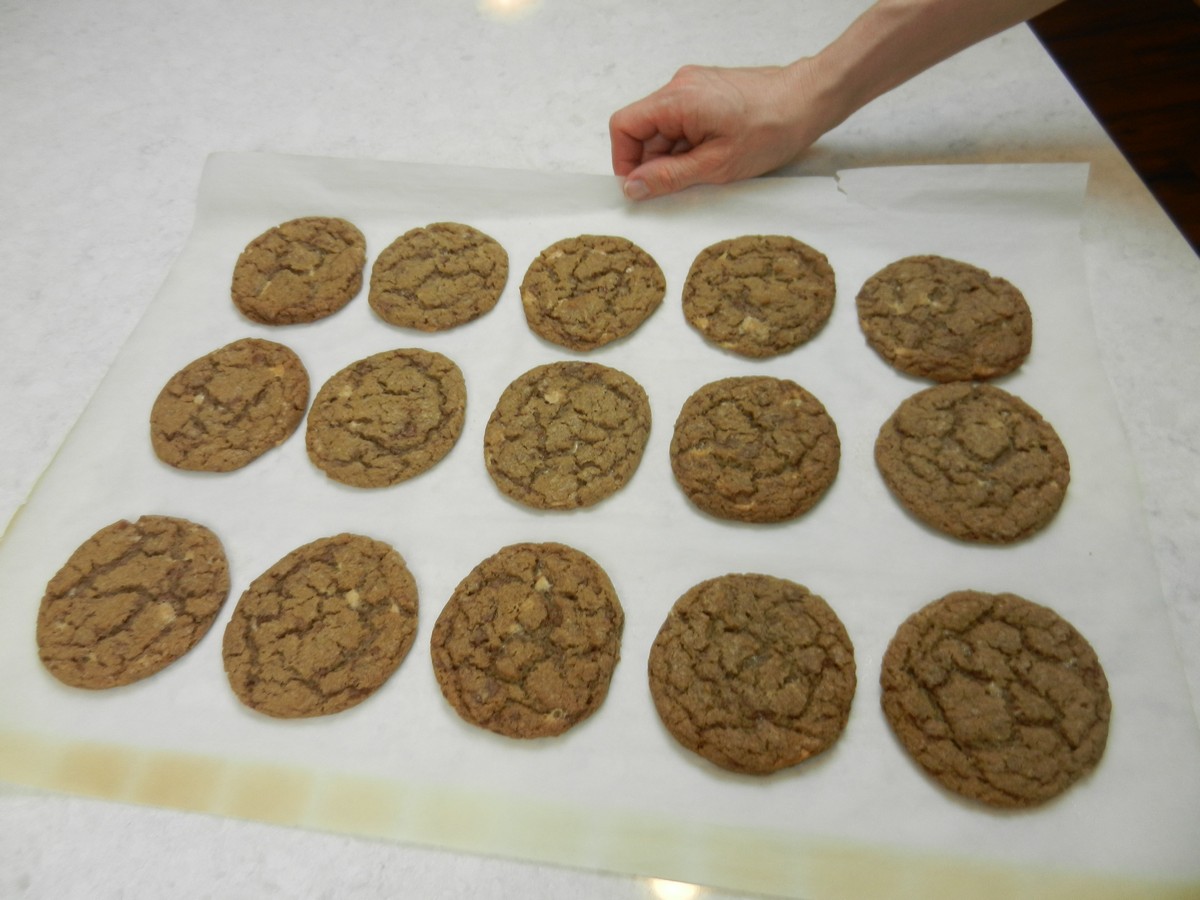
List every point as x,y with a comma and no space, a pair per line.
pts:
616,792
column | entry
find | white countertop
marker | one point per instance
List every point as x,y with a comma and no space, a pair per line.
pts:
110,113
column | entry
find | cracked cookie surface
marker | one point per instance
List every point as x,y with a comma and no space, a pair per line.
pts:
945,320
299,271
322,629
387,418
999,699
438,277
131,600
759,295
974,462
566,435
584,292
752,672
227,408
754,449
528,642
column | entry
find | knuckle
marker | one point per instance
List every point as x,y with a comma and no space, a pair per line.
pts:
670,181
687,76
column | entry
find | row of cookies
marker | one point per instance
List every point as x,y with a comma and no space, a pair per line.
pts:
967,458
996,697
376,422
562,436
582,292
754,295
525,647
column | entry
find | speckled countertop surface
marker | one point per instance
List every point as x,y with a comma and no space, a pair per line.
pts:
109,114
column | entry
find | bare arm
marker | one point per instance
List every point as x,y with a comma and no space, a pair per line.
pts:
895,40
715,125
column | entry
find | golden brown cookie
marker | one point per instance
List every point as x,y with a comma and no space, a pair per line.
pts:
754,449
946,320
753,673
322,629
587,291
131,600
999,699
974,461
759,295
386,418
227,408
438,277
299,271
566,435
527,644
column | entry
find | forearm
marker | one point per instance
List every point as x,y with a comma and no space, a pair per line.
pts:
895,40
715,125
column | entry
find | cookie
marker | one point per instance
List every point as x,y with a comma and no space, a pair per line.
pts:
386,418
754,673
587,291
322,629
227,408
299,271
999,699
527,644
754,449
945,320
131,600
974,461
759,295
566,435
438,277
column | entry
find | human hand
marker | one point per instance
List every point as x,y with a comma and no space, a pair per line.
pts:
713,125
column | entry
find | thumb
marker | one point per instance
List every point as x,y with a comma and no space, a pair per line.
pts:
666,175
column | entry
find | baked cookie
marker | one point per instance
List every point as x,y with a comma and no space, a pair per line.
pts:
945,320
132,599
566,435
437,277
322,629
999,699
299,271
753,673
227,408
586,291
387,417
759,295
754,449
974,461
527,644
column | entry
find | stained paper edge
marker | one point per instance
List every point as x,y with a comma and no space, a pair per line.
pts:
724,857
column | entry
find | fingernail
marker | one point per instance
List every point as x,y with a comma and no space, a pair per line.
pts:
636,189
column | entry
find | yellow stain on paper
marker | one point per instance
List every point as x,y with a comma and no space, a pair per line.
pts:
732,858
177,780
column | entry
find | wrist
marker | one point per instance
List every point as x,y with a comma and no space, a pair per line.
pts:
816,98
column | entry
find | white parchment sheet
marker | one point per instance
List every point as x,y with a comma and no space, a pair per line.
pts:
617,792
